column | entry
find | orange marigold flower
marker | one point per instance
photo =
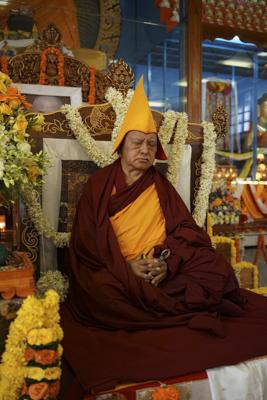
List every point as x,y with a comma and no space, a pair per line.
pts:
46,357
24,389
166,393
217,202
37,391
54,389
12,93
29,354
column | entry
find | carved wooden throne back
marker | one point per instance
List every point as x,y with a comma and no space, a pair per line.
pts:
44,62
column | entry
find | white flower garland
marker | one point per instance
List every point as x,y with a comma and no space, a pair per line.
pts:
82,134
177,149
167,127
207,171
120,105
41,223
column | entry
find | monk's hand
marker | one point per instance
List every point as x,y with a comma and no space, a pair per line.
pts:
159,272
142,268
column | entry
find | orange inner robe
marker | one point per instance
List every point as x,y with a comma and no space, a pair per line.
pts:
140,226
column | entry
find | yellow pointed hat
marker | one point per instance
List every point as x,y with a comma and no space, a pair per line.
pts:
139,118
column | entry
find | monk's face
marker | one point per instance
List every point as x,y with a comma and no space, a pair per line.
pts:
139,150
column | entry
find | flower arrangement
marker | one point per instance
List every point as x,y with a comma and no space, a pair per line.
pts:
224,207
60,65
217,240
42,371
19,167
247,266
30,367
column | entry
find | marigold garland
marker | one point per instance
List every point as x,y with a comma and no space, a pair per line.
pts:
92,85
224,239
209,225
259,290
37,323
237,247
60,65
238,267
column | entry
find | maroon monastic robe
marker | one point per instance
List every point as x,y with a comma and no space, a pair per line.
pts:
120,328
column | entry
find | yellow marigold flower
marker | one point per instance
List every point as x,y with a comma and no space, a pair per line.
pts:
5,109
5,78
217,202
52,373
40,336
51,297
21,125
14,104
60,350
3,88
35,373
58,332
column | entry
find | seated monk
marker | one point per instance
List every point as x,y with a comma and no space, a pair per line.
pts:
132,314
